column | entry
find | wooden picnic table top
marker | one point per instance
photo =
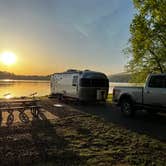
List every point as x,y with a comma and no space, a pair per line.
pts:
19,108
18,100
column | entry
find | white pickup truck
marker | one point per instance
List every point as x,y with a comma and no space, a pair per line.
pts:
151,97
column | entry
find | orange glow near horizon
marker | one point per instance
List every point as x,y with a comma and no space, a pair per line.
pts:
21,62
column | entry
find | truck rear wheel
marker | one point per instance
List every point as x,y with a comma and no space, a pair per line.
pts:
152,112
127,107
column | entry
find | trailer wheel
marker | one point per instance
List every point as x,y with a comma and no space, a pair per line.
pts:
127,107
60,97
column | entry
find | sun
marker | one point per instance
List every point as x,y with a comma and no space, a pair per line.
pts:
8,58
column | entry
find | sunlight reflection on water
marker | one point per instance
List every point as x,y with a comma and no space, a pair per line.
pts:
8,96
23,88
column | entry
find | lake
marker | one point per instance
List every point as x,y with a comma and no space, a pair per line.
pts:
19,88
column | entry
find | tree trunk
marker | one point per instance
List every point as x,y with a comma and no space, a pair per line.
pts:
157,60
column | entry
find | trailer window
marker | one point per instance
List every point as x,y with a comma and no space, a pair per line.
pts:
85,82
157,82
94,82
99,83
75,81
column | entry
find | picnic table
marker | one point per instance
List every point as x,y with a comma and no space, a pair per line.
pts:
11,105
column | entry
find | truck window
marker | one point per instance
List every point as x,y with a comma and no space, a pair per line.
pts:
157,82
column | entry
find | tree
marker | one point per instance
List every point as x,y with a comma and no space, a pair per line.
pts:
148,39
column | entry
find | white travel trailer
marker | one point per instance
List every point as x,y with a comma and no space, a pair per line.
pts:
81,85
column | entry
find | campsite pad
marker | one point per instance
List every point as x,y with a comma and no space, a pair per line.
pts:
76,138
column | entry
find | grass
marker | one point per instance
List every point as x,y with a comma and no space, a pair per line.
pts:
77,138
101,143
109,98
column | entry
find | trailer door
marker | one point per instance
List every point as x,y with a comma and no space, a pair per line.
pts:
52,84
75,85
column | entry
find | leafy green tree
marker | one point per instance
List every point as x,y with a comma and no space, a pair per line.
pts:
147,48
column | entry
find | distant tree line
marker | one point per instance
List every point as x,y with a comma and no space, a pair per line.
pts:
7,75
121,77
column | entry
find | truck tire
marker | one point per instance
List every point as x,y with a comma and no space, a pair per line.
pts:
152,112
127,107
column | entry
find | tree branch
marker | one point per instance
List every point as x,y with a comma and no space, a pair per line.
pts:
157,60
162,40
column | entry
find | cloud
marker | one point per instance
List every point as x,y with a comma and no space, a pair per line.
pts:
79,29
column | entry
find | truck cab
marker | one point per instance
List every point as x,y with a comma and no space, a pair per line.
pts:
155,90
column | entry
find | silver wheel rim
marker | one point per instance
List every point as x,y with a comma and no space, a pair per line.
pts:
127,108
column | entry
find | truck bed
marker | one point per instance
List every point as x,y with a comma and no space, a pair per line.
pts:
135,91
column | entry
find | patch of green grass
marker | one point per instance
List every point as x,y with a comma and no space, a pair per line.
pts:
78,139
103,143
109,98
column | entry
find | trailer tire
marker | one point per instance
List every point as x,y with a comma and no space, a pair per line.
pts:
60,97
127,107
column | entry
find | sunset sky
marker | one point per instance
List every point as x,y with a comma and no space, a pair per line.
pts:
50,36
